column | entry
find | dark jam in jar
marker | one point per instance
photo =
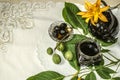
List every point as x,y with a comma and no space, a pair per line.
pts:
89,48
88,53
60,31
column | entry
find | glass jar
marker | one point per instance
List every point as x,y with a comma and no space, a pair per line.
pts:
88,52
60,31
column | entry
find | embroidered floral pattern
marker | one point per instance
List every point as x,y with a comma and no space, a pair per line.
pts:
13,15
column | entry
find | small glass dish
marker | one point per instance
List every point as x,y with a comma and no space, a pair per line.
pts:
88,52
60,31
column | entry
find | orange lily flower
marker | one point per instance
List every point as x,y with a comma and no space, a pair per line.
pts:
94,12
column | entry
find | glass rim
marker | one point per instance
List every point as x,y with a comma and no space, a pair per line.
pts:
87,56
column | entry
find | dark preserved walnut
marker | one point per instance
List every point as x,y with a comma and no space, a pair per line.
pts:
60,31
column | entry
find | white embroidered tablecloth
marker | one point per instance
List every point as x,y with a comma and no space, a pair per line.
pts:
24,39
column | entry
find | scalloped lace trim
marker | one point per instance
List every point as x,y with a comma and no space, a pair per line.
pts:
13,15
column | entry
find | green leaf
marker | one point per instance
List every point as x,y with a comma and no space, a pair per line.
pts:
116,78
70,15
70,46
105,50
102,62
106,44
31,78
110,71
75,78
47,75
90,76
104,72
76,38
73,62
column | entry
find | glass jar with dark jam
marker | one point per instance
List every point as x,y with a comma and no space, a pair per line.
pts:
60,31
88,52
105,31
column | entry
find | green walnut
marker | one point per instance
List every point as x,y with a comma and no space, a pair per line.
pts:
60,46
56,58
68,55
50,51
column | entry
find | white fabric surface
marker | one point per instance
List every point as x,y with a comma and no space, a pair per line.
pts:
25,55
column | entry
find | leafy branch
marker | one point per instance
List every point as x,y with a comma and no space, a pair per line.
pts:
88,73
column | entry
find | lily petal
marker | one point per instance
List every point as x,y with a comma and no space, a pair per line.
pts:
87,15
81,13
96,17
104,8
102,18
94,12
88,5
98,3
87,20
92,21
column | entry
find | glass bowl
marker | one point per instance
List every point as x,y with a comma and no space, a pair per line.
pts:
60,31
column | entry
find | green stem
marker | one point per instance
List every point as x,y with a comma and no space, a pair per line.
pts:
61,41
108,58
112,63
57,46
110,54
116,70
117,67
113,56
109,65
